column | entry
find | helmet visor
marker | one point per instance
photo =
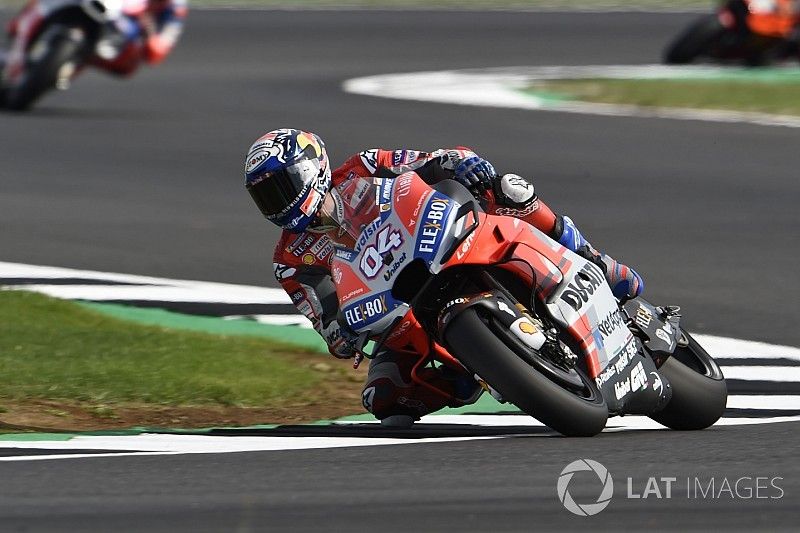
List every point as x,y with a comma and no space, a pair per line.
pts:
277,191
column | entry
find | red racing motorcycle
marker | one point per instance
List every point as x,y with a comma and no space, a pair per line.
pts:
753,32
53,40
422,270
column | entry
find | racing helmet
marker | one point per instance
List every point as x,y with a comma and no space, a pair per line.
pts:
288,175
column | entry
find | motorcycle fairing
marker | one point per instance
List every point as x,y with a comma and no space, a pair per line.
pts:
402,232
573,289
578,297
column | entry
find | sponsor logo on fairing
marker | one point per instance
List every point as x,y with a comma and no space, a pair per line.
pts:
465,246
404,184
657,383
615,367
366,233
394,267
352,294
386,187
582,286
635,381
643,317
432,224
345,255
664,336
366,311
610,323
336,274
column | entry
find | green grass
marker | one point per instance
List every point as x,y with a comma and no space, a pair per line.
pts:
741,95
53,349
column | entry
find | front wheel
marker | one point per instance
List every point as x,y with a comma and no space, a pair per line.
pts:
571,413
58,47
699,392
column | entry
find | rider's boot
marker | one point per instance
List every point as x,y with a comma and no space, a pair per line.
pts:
625,282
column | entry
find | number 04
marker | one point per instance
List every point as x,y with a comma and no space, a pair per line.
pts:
372,260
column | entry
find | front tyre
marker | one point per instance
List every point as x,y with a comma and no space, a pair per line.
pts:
699,392
58,47
479,349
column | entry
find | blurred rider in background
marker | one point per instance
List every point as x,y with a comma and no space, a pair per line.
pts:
146,31
148,36
288,175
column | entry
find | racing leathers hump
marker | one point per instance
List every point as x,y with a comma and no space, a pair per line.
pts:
302,261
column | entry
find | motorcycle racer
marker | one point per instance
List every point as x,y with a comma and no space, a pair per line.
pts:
145,31
289,176
148,36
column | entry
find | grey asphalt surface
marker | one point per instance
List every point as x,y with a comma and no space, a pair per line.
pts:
144,177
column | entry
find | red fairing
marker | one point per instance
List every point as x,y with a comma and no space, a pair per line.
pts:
308,250
125,64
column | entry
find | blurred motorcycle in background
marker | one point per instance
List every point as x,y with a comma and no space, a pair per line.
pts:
750,32
53,40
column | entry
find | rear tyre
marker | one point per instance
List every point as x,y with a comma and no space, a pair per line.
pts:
52,50
699,392
695,41
569,413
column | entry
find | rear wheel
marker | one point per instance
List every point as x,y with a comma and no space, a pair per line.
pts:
56,53
696,40
574,413
699,392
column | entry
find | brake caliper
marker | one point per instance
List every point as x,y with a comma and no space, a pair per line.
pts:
557,352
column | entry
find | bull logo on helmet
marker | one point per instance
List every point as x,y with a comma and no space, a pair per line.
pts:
305,139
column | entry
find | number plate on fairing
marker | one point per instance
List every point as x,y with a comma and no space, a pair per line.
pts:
413,222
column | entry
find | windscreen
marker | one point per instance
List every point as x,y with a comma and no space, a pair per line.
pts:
351,207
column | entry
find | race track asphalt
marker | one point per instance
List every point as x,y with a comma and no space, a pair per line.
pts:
144,177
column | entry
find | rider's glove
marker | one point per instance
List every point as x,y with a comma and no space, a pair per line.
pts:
475,173
340,342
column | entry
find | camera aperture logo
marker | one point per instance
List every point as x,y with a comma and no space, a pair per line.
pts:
741,488
606,492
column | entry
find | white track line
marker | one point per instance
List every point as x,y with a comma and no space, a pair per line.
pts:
762,373
149,288
503,88
157,444
165,289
